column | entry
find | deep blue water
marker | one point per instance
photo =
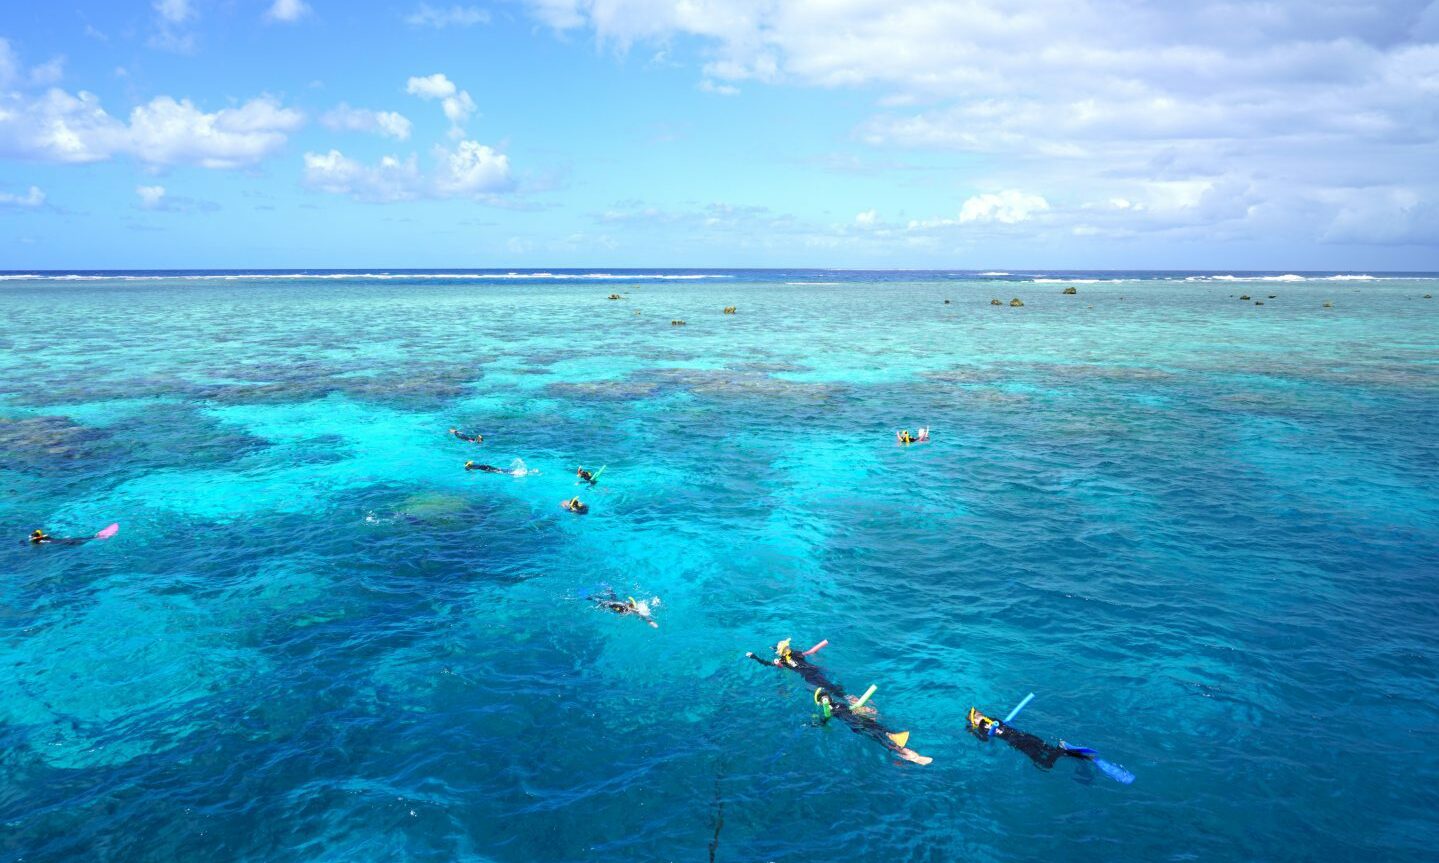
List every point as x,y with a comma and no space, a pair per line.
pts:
1204,532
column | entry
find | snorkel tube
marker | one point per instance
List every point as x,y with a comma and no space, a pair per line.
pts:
1013,713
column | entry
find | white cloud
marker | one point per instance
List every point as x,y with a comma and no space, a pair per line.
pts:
388,181
1008,207
454,16
150,196
156,198
1274,113
167,132
174,11
31,199
866,219
471,170
343,118
435,86
59,127
456,103
288,11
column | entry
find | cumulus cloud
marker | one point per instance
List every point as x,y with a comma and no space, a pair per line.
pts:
57,126
1009,207
343,118
1281,110
456,103
866,219
287,11
435,86
440,17
30,200
471,170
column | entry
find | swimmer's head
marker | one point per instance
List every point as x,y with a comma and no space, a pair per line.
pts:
782,649
37,533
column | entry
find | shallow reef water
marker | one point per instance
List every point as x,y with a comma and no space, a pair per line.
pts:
1204,532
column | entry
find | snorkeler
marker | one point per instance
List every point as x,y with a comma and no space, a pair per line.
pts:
487,468
40,537
575,506
585,476
1044,755
477,438
832,698
610,601
905,437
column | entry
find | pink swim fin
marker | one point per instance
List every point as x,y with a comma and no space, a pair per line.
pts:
109,531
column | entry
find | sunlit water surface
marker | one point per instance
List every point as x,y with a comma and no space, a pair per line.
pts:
1204,531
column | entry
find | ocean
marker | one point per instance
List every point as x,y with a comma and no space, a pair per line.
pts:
1203,531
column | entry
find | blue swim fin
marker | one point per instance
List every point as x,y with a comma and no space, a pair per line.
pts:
1114,771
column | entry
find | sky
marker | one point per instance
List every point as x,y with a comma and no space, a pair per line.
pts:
878,134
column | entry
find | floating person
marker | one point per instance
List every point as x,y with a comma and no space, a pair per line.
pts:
475,438
587,476
610,601
40,537
905,437
516,469
832,698
1044,755
575,505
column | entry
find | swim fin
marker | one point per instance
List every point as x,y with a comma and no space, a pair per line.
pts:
901,739
1114,771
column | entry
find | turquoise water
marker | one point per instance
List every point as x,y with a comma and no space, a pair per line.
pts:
1205,532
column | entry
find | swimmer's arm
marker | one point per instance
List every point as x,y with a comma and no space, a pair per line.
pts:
760,661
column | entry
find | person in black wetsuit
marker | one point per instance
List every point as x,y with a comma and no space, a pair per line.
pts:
585,476
610,601
479,438
487,468
831,696
40,537
1044,755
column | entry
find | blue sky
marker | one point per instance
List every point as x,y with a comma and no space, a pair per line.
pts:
832,133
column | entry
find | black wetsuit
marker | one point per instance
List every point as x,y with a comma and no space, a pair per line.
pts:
611,602
586,476
1043,754
487,468
467,438
61,540
839,702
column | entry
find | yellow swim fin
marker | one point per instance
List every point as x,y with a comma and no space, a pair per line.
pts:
901,739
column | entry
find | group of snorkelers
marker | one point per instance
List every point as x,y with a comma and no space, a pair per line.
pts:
573,504
832,701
